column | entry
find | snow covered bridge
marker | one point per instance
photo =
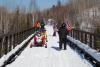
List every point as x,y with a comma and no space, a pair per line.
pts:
46,57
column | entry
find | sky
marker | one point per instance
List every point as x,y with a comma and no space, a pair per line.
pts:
48,3
42,4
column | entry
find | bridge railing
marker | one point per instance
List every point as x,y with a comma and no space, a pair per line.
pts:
86,44
11,40
88,38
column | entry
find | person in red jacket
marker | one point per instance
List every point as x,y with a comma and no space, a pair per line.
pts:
40,39
37,25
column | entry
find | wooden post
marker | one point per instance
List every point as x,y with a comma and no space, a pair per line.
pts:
9,42
3,39
0,47
6,45
85,38
77,34
81,36
14,42
90,41
73,33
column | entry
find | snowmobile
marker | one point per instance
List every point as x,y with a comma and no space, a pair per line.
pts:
39,40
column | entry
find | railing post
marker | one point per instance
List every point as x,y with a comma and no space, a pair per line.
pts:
22,35
3,46
14,41
17,39
88,37
81,36
97,43
6,45
18,36
90,40
71,33
9,42
0,47
77,34
85,38
93,42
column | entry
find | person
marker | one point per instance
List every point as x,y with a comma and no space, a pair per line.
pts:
44,34
40,39
55,29
42,24
37,25
62,31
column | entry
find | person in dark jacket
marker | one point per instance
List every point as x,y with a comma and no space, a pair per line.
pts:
62,36
42,24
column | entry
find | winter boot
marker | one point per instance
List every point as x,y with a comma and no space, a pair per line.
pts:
60,46
31,45
54,34
64,46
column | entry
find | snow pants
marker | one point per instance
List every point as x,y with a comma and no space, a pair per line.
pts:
63,42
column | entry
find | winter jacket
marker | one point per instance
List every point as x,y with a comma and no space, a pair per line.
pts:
37,25
62,32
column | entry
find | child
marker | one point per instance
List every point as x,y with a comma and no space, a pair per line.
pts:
40,39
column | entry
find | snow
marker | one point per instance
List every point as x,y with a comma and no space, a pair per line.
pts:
86,48
49,57
5,57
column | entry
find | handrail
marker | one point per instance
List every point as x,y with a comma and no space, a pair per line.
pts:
91,39
86,43
16,53
11,40
90,54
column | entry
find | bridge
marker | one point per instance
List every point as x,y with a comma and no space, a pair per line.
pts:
15,50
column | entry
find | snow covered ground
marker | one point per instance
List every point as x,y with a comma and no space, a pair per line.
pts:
49,57
5,57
